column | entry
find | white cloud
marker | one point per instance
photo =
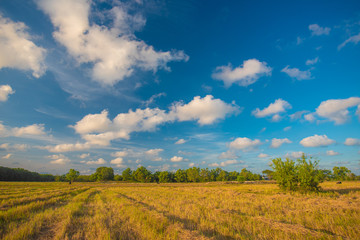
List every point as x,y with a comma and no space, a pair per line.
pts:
17,50
316,141
154,152
203,110
276,118
310,117
153,97
176,159
119,162
337,109
294,154
157,159
59,159
223,164
332,153
67,147
244,75
297,73
97,162
5,91
287,128
120,154
278,106
93,123
114,52
7,156
277,142
312,61
316,30
35,129
14,147
354,39
180,141
191,164
352,142
263,155
245,143
297,115
84,155
228,155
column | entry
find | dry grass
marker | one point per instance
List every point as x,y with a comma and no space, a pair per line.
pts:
177,211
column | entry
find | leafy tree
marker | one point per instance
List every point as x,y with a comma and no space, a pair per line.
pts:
193,174
340,173
142,175
214,173
223,176
303,175
233,175
127,175
205,175
268,173
103,174
180,176
164,177
118,177
72,175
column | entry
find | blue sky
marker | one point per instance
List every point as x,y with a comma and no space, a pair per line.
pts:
176,84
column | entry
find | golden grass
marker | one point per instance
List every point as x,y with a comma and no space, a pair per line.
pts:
177,211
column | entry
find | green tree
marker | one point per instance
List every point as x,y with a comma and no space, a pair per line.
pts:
214,173
285,173
72,175
268,173
164,177
193,174
142,175
180,176
308,174
223,176
340,173
205,175
118,177
103,174
127,175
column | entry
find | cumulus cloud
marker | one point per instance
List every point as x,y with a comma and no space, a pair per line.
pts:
67,147
119,162
153,97
180,141
294,154
332,153
154,152
84,155
245,144
310,117
352,142
7,156
35,129
277,142
98,129
176,159
297,115
59,159
223,164
263,155
5,91
312,61
120,154
14,147
274,109
191,164
353,39
244,75
203,110
337,109
228,155
17,50
97,162
316,141
114,52
316,30
297,73
287,128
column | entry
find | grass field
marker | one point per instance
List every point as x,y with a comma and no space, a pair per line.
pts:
177,211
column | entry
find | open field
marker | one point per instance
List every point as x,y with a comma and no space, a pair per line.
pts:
177,211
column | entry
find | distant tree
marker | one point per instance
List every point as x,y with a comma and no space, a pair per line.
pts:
127,175
340,173
325,174
103,174
142,175
205,175
180,176
60,178
118,178
83,178
72,175
268,173
223,176
193,174
164,177
214,173
233,175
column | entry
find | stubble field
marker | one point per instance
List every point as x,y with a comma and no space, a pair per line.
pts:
177,211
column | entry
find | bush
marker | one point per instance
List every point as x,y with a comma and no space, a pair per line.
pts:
302,175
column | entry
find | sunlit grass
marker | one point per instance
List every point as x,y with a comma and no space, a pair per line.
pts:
177,211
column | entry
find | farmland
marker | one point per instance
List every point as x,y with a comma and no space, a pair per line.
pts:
177,211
